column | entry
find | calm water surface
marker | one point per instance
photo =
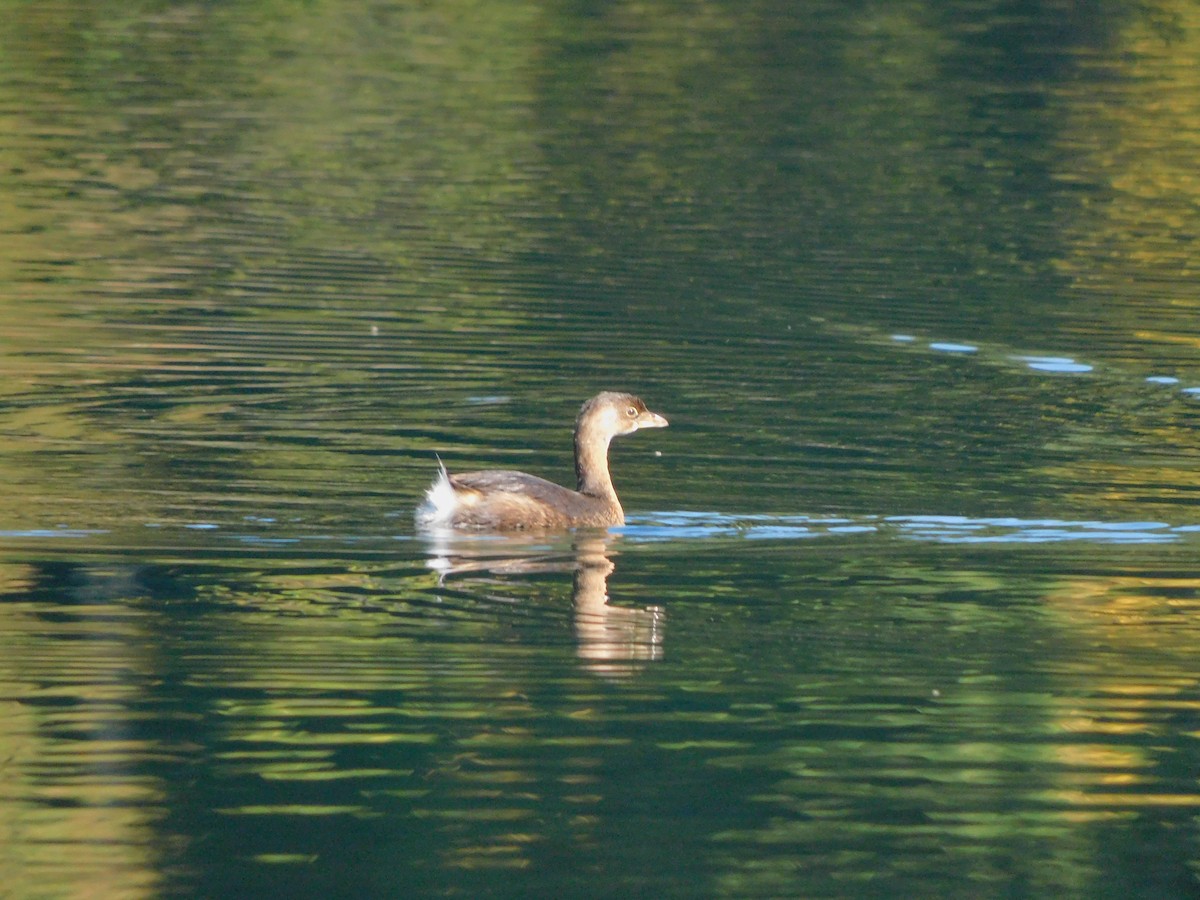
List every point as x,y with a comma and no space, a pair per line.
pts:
908,600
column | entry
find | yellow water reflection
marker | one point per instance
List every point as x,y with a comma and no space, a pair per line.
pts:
1144,677
76,815
1136,135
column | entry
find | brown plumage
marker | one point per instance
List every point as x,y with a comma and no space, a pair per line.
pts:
497,500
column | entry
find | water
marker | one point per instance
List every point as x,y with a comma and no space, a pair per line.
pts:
907,600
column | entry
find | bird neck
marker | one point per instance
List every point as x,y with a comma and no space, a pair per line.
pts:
591,464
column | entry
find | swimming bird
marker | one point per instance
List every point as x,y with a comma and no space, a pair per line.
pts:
502,500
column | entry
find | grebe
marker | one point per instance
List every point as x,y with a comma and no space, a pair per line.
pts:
497,500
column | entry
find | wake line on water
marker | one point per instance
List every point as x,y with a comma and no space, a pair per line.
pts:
656,527
995,354
669,526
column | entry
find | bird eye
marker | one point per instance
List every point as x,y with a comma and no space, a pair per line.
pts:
632,412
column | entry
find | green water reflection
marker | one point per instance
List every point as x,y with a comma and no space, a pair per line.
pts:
906,606
312,727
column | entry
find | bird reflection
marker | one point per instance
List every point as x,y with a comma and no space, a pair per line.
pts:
611,640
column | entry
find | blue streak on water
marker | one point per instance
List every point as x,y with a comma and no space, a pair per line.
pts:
488,400
938,529
1053,364
958,530
62,532
1063,364
950,347
700,526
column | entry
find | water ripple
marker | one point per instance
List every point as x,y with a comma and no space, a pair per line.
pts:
939,529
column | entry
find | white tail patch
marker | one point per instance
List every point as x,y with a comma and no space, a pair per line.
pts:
441,502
